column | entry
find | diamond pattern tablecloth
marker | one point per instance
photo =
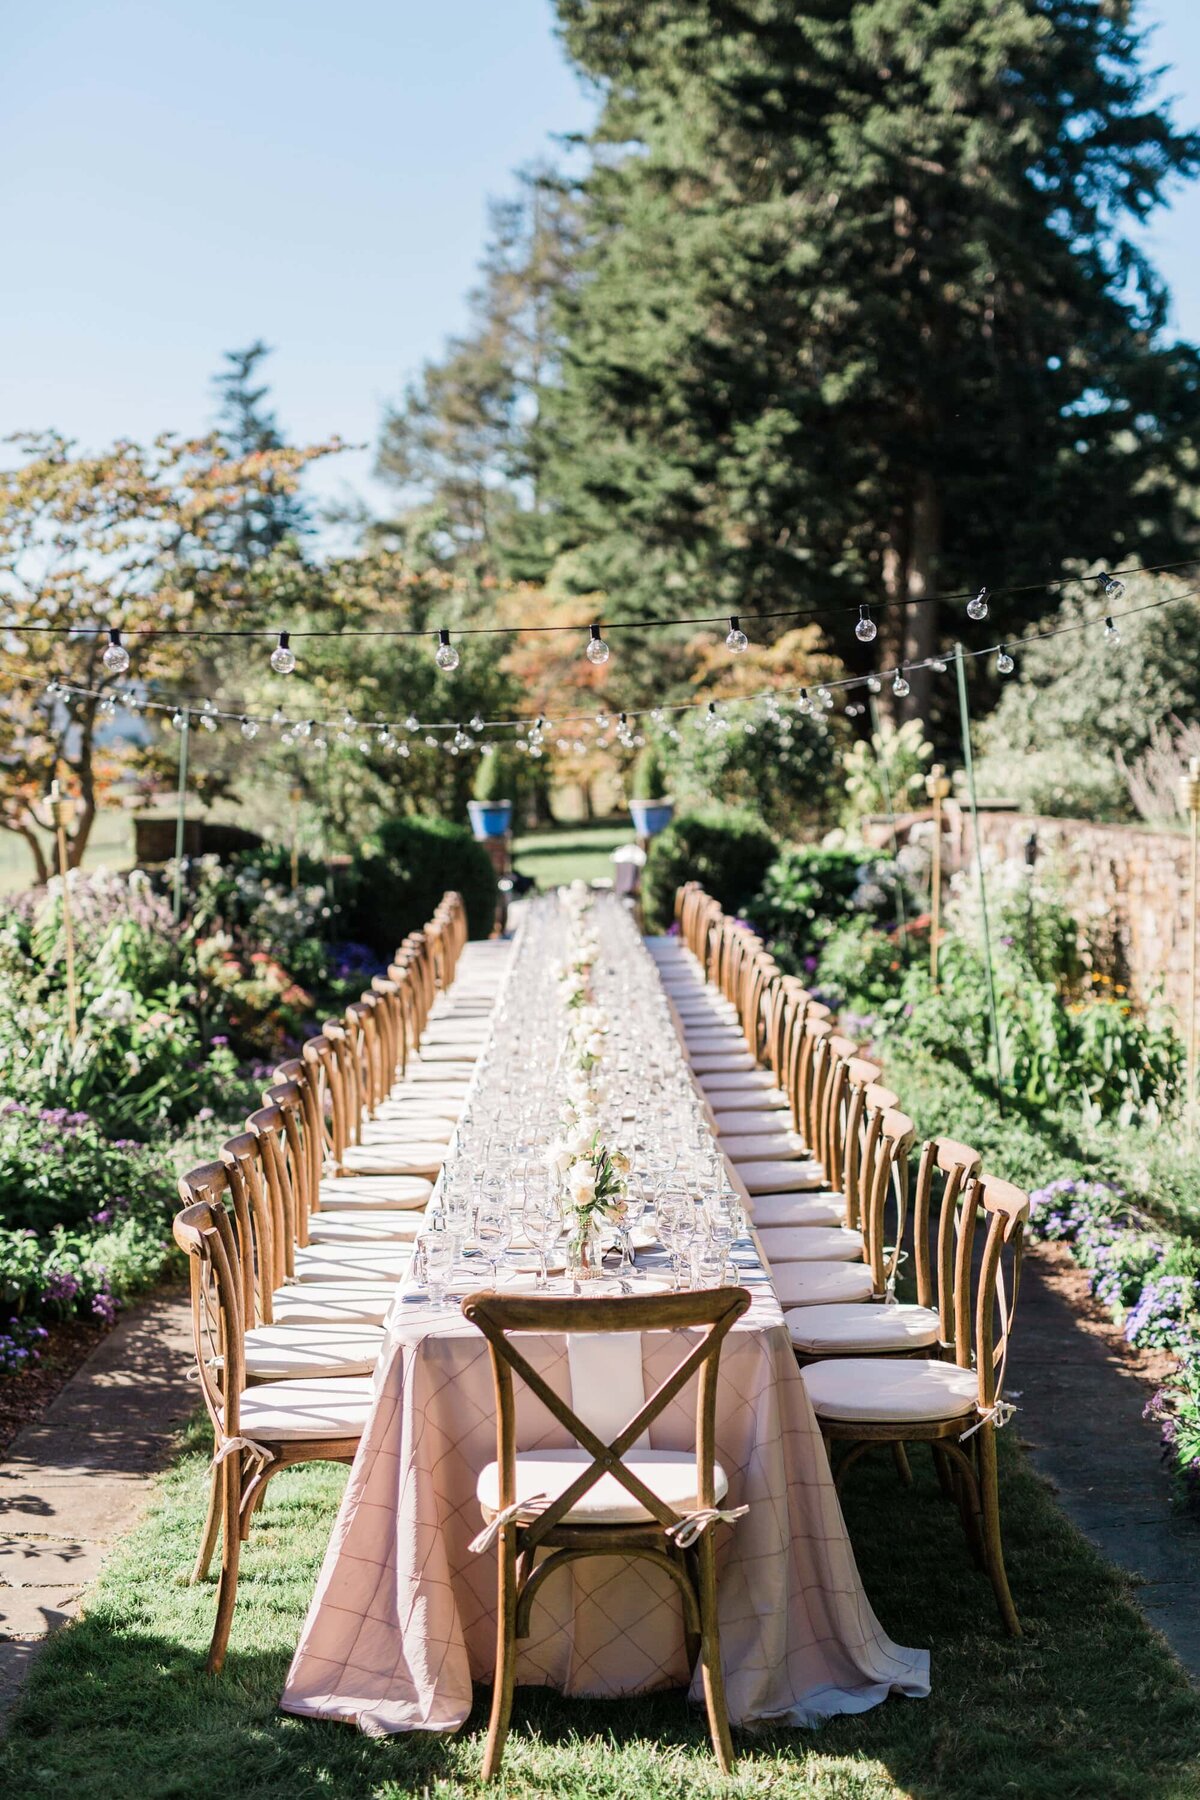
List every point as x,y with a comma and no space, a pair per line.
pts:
403,1618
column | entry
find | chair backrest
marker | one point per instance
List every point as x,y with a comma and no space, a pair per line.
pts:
502,1317
984,1309
955,1164
885,1208
205,1234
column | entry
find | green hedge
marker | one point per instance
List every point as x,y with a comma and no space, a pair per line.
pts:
401,873
726,851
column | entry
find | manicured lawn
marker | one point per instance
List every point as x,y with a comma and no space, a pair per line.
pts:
1088,1703
578,853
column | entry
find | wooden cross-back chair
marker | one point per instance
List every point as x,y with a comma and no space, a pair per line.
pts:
257,1431
962,1402
523,1531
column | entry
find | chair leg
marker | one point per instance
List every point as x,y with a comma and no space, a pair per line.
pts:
212,1528
710,1655
993,1549
506,1655
900,1458
945,1473
231,1551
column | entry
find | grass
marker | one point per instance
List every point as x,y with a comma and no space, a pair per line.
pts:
1088,1703
582,853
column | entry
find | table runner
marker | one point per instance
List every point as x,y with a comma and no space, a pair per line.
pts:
403,1618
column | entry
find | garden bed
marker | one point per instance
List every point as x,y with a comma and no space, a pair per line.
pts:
24,1396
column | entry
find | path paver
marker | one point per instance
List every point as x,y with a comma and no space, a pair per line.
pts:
74,1482
1081,1420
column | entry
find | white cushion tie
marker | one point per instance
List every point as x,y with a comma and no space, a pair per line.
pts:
694,1524
484,1539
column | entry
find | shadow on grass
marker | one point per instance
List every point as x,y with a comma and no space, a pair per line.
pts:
1088,1703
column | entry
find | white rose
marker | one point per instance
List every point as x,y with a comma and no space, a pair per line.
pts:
582,1183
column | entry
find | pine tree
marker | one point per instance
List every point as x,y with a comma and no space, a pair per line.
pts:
266,516
860,317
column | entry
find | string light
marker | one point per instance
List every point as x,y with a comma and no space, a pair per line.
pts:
1110,587
179,720
597,651
900,686
1004,662
249,729
736,640
283,657
445,656
1111,635
804,704
978,607
116,657
866,630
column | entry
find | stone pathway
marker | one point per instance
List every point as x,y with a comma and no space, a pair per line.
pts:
1081,1399
74,1482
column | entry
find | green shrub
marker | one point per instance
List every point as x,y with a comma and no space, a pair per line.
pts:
727,851
810,888
401,873
649,777
495,779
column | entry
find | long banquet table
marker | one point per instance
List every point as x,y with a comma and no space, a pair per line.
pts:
403,1617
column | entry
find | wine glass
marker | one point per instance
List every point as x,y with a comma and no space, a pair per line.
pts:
543,1221
628,1210
676,1216
493,1233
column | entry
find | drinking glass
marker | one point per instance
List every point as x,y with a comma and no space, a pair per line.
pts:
493,1233
440,1251
543,1221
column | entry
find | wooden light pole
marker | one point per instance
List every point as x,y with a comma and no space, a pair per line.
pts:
62,811
297,795
937,786
1189,802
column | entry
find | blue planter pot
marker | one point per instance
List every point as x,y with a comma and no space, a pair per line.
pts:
490,818
651,816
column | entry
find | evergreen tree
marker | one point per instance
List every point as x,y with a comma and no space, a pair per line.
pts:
859,316
267,515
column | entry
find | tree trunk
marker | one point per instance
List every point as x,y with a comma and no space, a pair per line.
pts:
908,632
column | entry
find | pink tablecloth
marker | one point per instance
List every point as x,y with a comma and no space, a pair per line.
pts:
403,1619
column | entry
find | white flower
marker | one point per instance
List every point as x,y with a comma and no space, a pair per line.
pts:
559,1158
581,1181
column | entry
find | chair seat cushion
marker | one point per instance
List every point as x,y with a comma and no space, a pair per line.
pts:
810,1243
714,1037
394,1159
737,1112
334,1303
330,1407
779,1177
377,1193
671,1474
364,1227
353,1262
751,1120
781,1145
292,1352
422,1069
425,1127
890,1390
722,1062
821,1283
430,1094
738,1081
448,1053
769,1210
856,1330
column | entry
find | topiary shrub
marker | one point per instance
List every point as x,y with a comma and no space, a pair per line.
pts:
402,871
728,852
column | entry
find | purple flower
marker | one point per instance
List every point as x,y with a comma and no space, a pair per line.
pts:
218,1042
204,1114
103,1217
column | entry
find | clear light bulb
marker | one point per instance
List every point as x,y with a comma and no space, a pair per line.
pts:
349,722
476,722
1111,587
278,717
1004,663
737,641
597,650
866,631
601,721
179,720
249,729
899,685
412,723
978,607
283,659
1111,634
116,656
446,656
804,704
303,728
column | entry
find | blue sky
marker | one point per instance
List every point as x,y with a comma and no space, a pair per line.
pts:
181,180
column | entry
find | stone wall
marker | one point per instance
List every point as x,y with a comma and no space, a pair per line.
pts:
1128,887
